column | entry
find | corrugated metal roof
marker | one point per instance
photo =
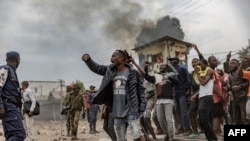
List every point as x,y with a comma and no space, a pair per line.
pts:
57,94
41,97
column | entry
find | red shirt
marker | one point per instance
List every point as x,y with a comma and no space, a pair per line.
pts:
218,84
86,103
224,91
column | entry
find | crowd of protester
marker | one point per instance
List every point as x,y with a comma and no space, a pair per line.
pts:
204,99
180,102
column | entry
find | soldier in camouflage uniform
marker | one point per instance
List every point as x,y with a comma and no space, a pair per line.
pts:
67,108
77,105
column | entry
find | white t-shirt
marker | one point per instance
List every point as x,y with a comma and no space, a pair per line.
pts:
207,89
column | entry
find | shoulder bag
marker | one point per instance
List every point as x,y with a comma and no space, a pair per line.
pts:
27,105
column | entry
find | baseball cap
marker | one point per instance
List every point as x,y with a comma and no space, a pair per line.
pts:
174,58
92,87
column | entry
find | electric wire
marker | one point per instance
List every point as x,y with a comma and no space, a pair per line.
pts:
188,6
181,5
214,53
196,8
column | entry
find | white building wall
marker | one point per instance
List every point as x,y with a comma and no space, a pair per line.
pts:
44,87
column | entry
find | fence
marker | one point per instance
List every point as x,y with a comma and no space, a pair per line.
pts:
50,111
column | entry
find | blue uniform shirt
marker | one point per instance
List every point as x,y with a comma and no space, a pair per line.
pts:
9,85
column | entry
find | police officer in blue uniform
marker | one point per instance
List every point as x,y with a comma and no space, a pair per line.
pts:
10,99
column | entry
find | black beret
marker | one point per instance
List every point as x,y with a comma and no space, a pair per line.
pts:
12,55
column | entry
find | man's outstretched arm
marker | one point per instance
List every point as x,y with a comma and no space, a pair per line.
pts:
93,66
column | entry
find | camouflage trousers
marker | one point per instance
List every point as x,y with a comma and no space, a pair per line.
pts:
74,120
68,121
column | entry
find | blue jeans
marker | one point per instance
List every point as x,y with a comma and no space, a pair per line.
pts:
121,126
182,111
108,125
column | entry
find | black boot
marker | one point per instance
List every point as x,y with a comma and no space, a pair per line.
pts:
166,138
90,128
94,128
92,132
74,136
68,133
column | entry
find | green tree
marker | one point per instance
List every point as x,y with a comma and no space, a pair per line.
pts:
245,51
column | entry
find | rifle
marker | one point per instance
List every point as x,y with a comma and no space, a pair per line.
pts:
66,110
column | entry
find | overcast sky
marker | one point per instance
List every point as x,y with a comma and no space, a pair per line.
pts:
51,36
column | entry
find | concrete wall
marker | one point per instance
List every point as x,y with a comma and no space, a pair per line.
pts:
44,87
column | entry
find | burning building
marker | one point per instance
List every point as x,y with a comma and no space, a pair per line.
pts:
158,51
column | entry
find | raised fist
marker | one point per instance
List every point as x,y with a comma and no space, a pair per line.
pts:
195,46
229,55
85,57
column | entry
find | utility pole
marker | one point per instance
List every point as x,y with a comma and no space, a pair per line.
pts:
41,89
61,86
